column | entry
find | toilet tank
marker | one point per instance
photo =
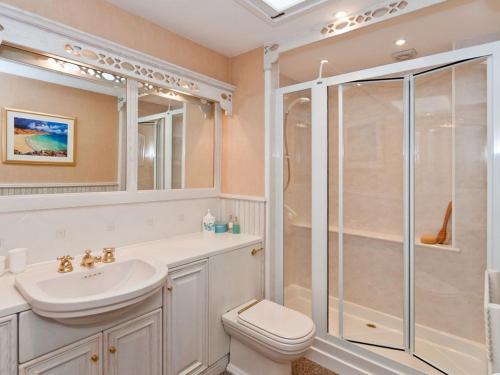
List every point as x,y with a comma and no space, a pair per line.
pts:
234,277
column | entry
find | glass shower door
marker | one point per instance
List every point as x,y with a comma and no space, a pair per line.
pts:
297,201
366,212
450,216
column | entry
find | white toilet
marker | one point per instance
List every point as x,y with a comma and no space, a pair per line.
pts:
266,337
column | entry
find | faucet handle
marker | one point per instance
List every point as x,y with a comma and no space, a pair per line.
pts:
108,255
65,257
65,264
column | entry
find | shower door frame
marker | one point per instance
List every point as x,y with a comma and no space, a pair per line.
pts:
319,183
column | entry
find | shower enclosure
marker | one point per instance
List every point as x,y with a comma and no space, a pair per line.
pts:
161,150
385,206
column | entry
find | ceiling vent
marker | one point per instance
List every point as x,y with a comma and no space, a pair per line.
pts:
407,54
277,11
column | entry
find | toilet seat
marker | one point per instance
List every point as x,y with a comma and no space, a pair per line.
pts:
289,337
277,322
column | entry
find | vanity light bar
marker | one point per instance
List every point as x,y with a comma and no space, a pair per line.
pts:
150,89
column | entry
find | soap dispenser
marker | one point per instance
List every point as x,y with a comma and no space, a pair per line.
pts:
236,226
208,225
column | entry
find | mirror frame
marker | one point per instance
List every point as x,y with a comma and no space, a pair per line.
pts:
33,32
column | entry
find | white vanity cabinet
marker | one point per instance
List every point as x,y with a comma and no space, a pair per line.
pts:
81,358
176,331
186,319
134,347
8,345
131,348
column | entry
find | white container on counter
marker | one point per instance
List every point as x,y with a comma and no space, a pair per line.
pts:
17,259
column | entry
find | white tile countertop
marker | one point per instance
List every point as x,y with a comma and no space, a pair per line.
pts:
172,251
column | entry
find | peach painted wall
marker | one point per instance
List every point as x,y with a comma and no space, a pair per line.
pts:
103,19
200,143
243,133
96,130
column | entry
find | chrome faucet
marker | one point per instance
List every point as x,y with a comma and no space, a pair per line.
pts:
88,260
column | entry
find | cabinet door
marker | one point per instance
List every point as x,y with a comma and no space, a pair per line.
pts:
134,347
8,345
186,320
234,278
81,358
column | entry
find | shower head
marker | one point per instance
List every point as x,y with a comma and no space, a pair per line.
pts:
321,65
301,100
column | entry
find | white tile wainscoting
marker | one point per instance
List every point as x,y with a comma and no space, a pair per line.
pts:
50,233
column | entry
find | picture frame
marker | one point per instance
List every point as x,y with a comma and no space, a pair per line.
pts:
38,138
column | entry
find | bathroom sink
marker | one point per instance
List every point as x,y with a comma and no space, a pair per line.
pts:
89,295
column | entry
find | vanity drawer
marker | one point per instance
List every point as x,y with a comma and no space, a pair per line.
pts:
39,335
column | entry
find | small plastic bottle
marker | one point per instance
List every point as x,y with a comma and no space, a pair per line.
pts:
236,226
230,224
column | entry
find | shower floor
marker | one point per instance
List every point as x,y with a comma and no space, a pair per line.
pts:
454,355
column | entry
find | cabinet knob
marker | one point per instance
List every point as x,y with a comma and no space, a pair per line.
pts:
169,288
94,358
112,349
257,250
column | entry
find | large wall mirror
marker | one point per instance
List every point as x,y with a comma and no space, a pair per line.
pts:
64,130
176,140
63,126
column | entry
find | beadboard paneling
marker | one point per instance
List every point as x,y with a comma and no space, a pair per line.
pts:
56,189
251,213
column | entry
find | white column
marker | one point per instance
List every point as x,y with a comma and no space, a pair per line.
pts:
494,158
132,134
218,148
273,254
319,212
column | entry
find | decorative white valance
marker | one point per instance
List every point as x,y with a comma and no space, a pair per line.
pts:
37,33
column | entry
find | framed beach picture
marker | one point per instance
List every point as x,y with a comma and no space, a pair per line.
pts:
38,138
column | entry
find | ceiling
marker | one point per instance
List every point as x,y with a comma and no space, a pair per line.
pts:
229,27
444,27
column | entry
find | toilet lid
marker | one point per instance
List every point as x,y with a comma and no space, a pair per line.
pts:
277,320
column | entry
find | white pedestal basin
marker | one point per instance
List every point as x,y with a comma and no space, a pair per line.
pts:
85,296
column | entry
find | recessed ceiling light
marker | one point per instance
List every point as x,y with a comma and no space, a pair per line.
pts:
340,14
400,42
